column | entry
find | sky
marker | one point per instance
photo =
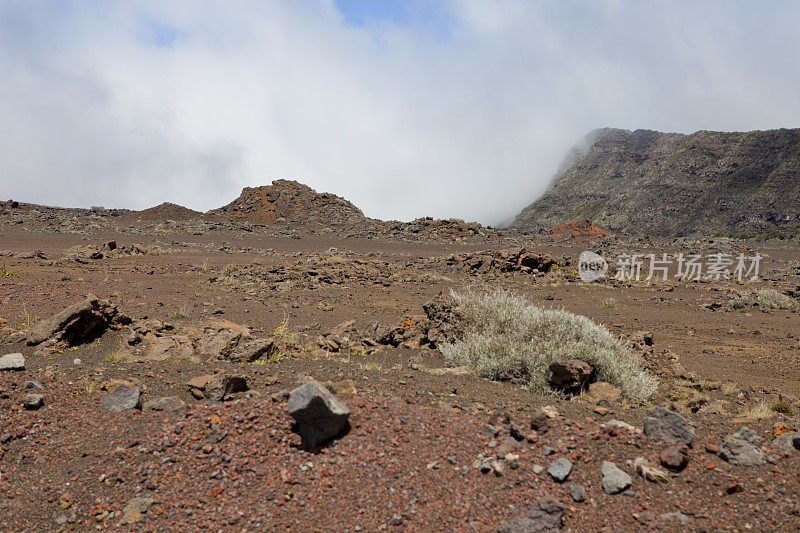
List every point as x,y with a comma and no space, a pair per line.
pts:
407,108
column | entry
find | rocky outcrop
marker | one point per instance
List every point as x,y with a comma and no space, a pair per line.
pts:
78,324
290,202
155,340
669,184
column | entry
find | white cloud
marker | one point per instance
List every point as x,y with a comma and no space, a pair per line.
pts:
131,104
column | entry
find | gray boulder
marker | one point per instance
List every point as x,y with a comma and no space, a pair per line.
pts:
545,516
665,425
577,492
319,415
12,361
76,324
560,469
614,479
742,448
123,398
167,404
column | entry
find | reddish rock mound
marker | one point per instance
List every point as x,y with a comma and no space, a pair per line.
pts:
168,211
289,202
579,229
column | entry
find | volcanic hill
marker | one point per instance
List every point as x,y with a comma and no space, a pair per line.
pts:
290,202
671,184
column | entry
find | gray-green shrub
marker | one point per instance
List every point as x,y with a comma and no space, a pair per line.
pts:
506,337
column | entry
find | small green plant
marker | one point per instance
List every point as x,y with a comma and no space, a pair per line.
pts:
782,407
5,272
609,303
66,278
180,314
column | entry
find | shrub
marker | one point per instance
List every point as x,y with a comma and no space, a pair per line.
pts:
505,337
772,299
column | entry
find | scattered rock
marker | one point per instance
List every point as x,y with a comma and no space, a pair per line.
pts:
577,492
123,398
33,386
602,391
12,361
570,374
796,440
216,387
319,415
539,420
649,471
77,324
675,456
560,469
32,401
665,425
742,448
134,510
220,388
614,479
167,404
546,516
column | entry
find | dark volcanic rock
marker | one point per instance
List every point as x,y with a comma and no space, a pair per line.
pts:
665,425
570,374
545,516
123,398
742,448
319,415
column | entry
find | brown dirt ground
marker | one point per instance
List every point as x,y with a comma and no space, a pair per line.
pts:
404,418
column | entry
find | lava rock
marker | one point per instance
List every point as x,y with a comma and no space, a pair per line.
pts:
539,420
665,425
32,401
578,493
614,479
570,374
123,398
135,510
742,448
560,469
77,324
319,415
675,457
796,440
167,404
220,387
12,361
545,516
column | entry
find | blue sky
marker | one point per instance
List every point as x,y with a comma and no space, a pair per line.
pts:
408,108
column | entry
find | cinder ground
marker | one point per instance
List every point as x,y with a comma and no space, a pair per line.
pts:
407,462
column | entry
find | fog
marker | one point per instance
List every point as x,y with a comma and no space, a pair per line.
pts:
460,108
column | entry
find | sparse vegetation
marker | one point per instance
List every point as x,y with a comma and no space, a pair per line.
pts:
181,313
772,299
759,411
5,272
609,303
505,337
739,301
782,407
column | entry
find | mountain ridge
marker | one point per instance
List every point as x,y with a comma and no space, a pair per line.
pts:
739,184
